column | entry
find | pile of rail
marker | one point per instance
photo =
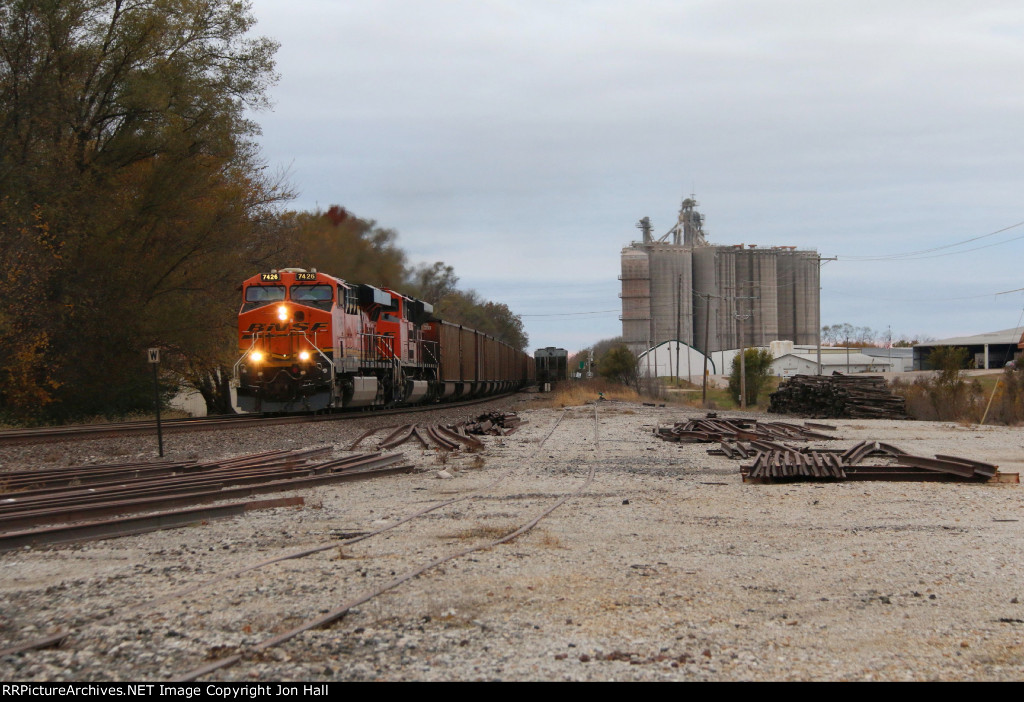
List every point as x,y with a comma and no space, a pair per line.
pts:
445,438
788,463
713,429
835,396
493,423
91,496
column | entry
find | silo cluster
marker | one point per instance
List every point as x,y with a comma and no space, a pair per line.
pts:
717,297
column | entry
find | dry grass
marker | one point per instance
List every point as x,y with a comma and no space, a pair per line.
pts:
491,532
576,393
545,539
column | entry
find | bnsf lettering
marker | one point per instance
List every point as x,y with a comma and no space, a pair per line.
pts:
297,327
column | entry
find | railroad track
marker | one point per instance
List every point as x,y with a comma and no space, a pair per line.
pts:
230,421
257,650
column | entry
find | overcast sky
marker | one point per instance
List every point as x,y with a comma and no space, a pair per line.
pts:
521,141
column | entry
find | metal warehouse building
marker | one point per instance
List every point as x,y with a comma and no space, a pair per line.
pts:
715,298
991,350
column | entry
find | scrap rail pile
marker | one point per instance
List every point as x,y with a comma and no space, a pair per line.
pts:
776,460
494,423
91,501
834,396
447,438
725,430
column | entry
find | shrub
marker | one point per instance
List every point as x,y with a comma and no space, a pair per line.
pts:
758,364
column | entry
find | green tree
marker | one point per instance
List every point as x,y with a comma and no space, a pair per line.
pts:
758,367
132,191
433,283
618,364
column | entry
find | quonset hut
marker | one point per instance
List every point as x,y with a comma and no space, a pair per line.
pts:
715,298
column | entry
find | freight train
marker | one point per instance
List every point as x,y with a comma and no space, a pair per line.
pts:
310,341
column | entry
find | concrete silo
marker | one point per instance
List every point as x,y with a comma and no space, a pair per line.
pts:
721,297
798,274
740,283
636,297
671,270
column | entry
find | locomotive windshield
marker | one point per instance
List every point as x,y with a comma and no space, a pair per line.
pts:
260,295
319,296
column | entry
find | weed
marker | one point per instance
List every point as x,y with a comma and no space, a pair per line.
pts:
546,539
482,531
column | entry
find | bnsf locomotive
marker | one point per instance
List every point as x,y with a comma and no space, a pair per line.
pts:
310,341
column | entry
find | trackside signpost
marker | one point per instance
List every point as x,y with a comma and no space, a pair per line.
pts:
154,360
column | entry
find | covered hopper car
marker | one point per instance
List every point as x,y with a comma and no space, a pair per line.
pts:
309,341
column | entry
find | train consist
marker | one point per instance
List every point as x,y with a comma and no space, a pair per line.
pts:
310,341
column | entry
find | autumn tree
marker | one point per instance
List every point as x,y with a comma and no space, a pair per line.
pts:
433,282
133,194
337,242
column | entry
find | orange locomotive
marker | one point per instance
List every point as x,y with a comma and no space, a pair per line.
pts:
310,341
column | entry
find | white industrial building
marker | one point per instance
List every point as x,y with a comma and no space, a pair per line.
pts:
673,359
791,364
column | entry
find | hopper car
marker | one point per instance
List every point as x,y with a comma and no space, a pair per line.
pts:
309,342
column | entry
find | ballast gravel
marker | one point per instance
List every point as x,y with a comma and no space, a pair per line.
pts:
667,567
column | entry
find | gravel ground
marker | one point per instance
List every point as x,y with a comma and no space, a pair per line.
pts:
666,567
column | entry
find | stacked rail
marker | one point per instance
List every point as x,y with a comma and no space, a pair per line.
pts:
836,396
787,463
772,459
713,429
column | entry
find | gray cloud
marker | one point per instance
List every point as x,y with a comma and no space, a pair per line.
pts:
520,141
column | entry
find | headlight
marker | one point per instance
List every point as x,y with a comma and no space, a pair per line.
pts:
256,356
303,355
282,313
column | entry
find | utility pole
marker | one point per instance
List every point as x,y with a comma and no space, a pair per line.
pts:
888,345
743,370
740,318
679,295
707,324
818,325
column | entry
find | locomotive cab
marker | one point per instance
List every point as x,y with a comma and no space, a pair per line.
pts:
286,337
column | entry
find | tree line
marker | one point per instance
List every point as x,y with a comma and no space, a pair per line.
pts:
847,334
133,201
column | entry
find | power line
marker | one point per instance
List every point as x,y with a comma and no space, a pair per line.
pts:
565,314
943,299
921,253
